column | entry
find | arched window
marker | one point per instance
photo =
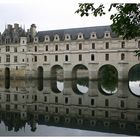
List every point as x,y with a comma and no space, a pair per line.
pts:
66,57
122,56
35,48
92,57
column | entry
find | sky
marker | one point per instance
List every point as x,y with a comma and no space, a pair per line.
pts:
48,14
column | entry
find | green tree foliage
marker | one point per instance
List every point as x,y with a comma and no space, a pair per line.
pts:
125,22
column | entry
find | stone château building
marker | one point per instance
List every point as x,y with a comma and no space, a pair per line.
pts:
28,53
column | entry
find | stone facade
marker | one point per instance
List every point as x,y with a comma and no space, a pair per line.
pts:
92,47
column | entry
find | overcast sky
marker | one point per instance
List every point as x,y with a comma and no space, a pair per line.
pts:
47,14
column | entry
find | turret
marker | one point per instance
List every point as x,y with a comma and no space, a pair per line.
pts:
33,30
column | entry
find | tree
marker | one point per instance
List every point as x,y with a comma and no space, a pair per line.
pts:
125,22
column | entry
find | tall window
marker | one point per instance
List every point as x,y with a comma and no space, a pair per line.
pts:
80,46
67,110
93,45
66,100
56,47
56,99
106,102
107,45
56,58
67,46
92,57
79,101
92,101
15,49
35,58
122,103
0,59
15,58
66,57
45,58
15,97
122,44
7,48
46,47
35,48
80,57
106,57
8,58
122,56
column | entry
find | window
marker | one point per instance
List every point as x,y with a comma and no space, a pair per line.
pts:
45,99
46,47
35,48
35,58
15,58
56,99
80,57
35,107
92,112
66,100
56,58
138,117
0,59
93,45
56,47
7,97
66,57
92,57
56,109
15,49
15,106
7,48
35,98
106,57
80,46
23,41
79,101
23,50
67,110
67,46
22,60
16,67
92,101
138,105
15,97
8,58
80,112
122,115
106,102
106,114
107,45
45,58
122,56
123,44
122,103
47,109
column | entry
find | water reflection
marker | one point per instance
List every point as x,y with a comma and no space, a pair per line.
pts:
24,109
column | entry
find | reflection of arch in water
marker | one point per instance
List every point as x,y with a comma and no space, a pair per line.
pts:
134,79
40,72
80,76
7,78
40,78
57,75
7,73
108,79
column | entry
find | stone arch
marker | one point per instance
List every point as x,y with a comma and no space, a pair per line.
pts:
80,79
134,80
107,79
57,77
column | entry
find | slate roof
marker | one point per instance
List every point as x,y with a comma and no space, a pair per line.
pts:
73,32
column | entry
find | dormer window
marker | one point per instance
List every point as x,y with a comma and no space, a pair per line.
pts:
80,36
47,38
67,37
107,34
56,37
93,35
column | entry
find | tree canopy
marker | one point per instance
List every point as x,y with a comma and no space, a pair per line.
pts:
125,22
